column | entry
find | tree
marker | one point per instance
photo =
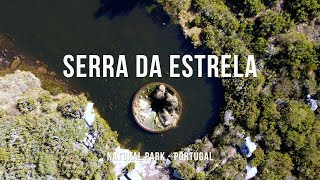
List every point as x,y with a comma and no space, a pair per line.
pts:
276,166
270,2
296,124
302,10
186,170
296,54
173,7
258,157
272,23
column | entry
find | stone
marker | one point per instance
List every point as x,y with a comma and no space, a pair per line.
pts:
313,103
42,70
176,174
88,116
160,92
166,118
251,172
122,178
248,147
15,63
134,175
172,101
228,117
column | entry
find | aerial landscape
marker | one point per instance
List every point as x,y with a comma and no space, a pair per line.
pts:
257,117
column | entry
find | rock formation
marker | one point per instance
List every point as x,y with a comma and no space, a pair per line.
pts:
166,104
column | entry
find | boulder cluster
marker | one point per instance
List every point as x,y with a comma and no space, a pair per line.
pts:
166,104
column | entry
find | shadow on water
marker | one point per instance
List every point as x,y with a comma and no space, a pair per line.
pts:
71,29
113,8
215,83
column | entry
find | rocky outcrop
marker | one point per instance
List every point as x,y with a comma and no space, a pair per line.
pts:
313,103
251,172
166,104
248,147
15,86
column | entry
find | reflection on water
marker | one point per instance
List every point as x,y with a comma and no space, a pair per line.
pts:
48,30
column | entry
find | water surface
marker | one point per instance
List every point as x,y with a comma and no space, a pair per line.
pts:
48,30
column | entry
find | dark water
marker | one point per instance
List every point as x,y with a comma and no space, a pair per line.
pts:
48,30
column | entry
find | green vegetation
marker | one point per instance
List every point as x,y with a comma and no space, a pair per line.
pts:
47,164
276,166
272,23
44,138
186,170
26,104
272,108
248,7
129,167
302,10
72,107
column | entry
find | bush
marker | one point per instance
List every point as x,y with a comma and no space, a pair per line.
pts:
296,124
129,167
270,2
248,7
260,46
47,164
252,7
296,54
173,7
217,14
200,176
4,155
258,157
276,166
272,23
73,107
26,105
186,170
302,10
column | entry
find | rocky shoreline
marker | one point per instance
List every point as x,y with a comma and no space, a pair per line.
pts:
95,137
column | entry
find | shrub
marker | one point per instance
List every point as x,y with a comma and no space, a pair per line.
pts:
173,7
72,107
302,10
276,166
296,53
47,164
270,2
186,170
129,167
200,176
272,23
26,104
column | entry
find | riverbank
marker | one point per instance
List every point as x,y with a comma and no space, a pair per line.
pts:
272,107
11,60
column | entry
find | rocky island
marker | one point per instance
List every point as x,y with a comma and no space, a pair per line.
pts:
157,107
